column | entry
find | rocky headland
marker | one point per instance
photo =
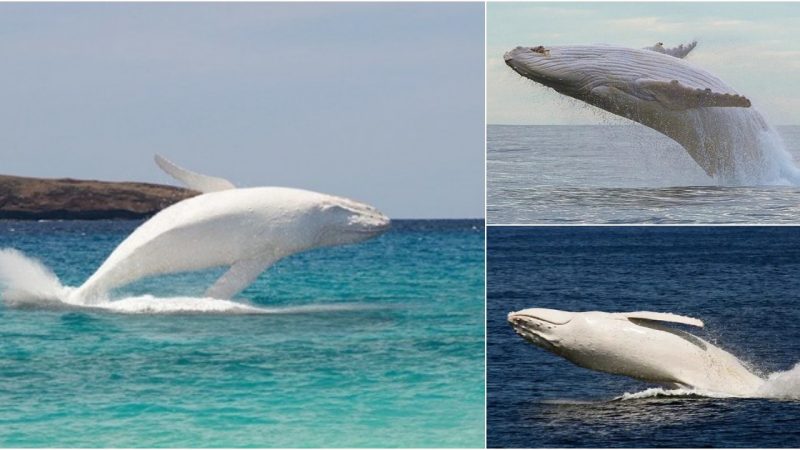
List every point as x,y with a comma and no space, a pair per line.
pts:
24,198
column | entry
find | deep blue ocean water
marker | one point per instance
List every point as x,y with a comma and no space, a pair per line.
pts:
403,367
742,281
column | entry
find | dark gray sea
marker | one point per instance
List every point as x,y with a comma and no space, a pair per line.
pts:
618,174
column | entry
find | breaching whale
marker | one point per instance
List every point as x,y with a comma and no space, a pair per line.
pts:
639,345
246,229
719,128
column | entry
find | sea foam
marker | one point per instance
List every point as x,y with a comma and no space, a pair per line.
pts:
27,280
784,385
27,283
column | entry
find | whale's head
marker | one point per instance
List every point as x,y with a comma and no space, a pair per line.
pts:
605,76
345,221
570,70
541,327
625,80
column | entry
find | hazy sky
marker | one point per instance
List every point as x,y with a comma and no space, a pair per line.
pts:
753,47
379,102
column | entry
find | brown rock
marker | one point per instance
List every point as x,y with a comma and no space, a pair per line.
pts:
38,198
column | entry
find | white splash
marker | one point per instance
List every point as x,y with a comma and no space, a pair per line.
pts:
759,154
783,385
661,392
27,280
27,283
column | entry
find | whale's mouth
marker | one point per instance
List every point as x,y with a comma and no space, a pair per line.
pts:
382,226
369,226
536,326
526,330
532,329
537,64
520,58
510,56
551,316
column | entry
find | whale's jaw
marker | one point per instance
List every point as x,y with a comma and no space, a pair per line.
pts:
534,329
551,68
367,220
347,221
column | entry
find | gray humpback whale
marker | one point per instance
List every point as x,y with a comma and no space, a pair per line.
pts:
655,87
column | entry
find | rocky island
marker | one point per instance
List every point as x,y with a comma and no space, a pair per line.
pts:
24,198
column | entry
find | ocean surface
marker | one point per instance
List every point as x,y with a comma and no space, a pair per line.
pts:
742,281
618,174
379,344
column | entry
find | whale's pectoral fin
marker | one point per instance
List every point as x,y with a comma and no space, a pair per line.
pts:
662,317
193,180
678,97
678,52
239,276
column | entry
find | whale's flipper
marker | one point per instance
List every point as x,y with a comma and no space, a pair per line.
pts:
192,180
239,276
678,52
662,317
678,97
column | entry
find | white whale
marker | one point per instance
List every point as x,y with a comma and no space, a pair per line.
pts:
246,229
639,345
728,138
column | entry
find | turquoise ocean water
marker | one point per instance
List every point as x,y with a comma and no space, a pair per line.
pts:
387,349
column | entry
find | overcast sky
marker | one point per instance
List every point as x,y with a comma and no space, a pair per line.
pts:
753,47
383,103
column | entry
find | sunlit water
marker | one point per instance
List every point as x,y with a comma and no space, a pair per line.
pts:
619,174
375,344
741,281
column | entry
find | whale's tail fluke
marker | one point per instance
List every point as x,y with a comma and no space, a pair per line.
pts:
193,180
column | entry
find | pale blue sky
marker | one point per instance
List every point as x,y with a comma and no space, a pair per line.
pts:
379,102
754,47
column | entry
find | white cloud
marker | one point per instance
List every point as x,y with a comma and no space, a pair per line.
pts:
649,24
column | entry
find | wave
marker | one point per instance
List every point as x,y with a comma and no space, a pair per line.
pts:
663,393
27,280
29,284
783,385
